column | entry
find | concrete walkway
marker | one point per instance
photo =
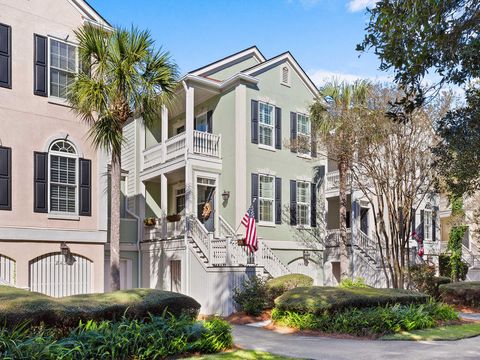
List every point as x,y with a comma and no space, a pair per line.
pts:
313,347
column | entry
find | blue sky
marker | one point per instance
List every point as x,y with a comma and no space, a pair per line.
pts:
321,34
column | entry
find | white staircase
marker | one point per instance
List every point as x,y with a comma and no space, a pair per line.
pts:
472,257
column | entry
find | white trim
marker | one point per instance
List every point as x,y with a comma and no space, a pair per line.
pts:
267,147
45,234
240,151
63,135
266,223
61,216
87,11
271,126
263,222
253,51
308,203
218,86
293,64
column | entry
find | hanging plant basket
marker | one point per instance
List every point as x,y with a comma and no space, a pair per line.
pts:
173,218
150,221
241,242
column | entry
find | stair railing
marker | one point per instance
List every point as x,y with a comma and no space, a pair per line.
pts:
272,264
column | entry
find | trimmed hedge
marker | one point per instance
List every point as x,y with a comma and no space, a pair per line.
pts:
18,306
279,285
461,293
318,299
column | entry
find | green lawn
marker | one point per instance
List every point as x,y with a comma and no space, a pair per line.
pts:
241,354
450,332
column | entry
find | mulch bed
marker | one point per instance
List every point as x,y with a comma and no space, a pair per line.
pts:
240,318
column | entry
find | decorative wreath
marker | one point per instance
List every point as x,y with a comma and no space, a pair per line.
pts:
207,210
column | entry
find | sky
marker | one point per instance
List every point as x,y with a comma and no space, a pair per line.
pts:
321,34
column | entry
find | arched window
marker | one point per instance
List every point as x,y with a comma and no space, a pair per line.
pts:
63,160
285,75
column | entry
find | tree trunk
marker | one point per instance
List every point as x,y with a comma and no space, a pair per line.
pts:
115,179
342,192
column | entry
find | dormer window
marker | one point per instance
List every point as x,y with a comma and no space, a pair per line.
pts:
285,75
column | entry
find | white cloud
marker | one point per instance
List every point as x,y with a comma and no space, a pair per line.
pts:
359,5
320,77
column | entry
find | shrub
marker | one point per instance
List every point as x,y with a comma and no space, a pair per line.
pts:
445,267
369,321
424,280
353,283
252,295
461,293
17,306
157,337
277,286
317,299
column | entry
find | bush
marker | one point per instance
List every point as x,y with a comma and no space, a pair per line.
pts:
353,283
277,286
154,338
377,320
252,295
461,293
317,299
18,306
445,267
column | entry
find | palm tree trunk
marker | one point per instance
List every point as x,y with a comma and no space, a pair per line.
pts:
342,192
115,222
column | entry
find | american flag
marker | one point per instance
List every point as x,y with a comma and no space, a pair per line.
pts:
248,221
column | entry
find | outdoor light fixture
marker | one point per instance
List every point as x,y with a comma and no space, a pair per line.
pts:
65,250
225,195
306,257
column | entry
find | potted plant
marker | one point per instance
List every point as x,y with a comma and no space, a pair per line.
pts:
241,242
150,221
173,217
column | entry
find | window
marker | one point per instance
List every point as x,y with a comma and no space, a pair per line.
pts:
285,76
303,134
180,200
267,198
266,123
63,67
63,178
303,203
427,225
201,123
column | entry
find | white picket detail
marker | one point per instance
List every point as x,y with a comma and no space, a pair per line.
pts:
51,275
152,156
7,270
175,146
272,264
206,144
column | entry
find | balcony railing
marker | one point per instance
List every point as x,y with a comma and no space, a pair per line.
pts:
333,181
203,144
164,229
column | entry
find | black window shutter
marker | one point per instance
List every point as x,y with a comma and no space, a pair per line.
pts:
5,56
209,121
255,195
85,187
422,222
278,128
413,216
293,202
40,65
313,149
320,175
254,122
293,132
278,200
313,207
5,178
40,178
434,226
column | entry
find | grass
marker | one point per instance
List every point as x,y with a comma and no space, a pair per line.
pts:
317,299
448,332
242,354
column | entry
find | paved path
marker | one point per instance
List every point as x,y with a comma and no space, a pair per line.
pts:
313,347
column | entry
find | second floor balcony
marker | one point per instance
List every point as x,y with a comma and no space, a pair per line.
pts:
204,144
332,183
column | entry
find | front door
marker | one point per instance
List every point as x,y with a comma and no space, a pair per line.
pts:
206,203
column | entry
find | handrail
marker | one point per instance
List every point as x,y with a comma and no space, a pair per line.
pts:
333,237
368,245
272,264
206,144
200,236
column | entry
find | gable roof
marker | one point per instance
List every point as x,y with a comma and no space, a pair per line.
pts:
275,61
229,60
89,13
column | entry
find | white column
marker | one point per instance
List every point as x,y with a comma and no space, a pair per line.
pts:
241,176
164,202
189,116
164,131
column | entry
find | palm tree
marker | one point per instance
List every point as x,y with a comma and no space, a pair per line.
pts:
123,76
334,116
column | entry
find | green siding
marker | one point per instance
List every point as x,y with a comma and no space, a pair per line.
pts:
228,72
